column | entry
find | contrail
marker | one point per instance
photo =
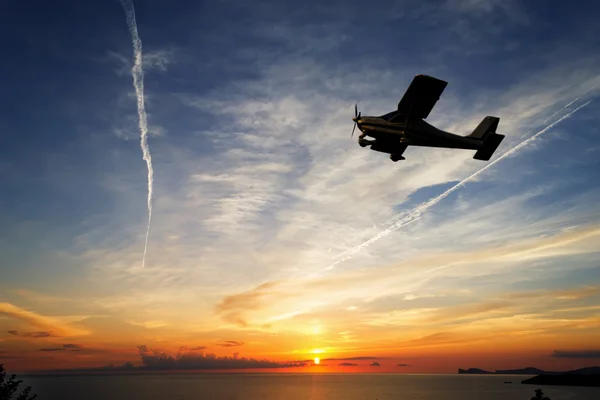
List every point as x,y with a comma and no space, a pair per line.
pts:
420,209
543,122
138,82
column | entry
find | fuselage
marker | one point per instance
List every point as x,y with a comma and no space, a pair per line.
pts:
395,129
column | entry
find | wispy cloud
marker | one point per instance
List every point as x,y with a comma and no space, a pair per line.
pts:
48,324
416,275
34,335
231,343
233,306
158,60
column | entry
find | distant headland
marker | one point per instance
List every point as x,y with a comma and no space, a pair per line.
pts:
568,379
530,371
589,376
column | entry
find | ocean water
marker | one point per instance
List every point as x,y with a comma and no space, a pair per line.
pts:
297,387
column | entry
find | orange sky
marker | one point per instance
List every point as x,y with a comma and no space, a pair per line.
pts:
352,314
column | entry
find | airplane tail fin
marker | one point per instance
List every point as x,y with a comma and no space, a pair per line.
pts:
486,126
489,146
486,132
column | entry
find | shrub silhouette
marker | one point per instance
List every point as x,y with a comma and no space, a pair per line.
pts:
10,385
539,395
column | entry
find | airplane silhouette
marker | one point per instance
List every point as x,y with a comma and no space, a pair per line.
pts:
396,130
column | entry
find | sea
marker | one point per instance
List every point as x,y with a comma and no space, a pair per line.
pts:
379,386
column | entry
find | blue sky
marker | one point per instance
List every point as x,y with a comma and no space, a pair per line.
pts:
256,178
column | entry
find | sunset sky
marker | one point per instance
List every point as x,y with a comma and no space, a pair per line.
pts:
274,236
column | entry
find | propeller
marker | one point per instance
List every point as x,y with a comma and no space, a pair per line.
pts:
355,119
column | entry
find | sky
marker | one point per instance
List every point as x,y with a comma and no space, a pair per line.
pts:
274,237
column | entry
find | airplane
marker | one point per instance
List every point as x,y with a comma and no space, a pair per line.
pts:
396,130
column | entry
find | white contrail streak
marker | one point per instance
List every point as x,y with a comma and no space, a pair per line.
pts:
138,82
420,209
543,122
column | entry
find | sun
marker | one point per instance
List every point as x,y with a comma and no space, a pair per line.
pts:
317,360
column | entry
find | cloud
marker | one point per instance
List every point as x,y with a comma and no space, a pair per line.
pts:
50,325
438,338
402,365
576,353
343,359
37,334
483,8
130,133
375,364
157,360
420,272
231,343
232,307
248,300
353,358
456,313
68,347
158,60
347,364
196,348
34,335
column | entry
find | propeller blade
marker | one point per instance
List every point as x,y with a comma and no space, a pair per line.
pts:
355,110
351,136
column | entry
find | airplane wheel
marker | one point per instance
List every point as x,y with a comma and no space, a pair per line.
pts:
363,144
393,158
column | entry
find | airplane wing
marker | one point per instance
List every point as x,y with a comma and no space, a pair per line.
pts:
420,97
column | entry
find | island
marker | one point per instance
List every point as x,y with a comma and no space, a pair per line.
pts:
589,376
473,371
565,380
520,371
531,371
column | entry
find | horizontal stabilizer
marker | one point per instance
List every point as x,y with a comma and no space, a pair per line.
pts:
488,147
486,126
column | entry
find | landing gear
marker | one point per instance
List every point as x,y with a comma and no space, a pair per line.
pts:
396,157
365,142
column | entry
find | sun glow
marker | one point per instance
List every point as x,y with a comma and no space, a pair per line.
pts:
317,360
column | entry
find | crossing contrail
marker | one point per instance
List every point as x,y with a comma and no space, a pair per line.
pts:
138,82
418,212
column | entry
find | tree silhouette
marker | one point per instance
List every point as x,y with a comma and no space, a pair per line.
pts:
9,387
